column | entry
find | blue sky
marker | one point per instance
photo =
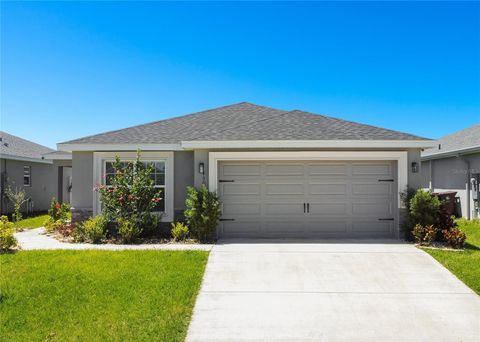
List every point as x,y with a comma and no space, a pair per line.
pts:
74,69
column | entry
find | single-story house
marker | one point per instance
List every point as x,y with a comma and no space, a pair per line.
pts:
453,164
25,165
279,173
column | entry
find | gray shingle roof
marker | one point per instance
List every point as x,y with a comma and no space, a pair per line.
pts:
245,121
468,138
12,145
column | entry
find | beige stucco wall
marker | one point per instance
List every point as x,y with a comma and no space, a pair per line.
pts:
82,180
451,174
43,182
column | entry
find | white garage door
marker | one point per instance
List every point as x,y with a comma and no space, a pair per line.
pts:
307,199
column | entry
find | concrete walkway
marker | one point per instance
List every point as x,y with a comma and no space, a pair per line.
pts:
331,291
36,239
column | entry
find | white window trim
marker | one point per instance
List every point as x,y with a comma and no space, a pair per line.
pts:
29,176
99,159
400,156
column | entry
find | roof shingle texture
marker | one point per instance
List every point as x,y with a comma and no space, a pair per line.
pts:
18,147
461,140
245,121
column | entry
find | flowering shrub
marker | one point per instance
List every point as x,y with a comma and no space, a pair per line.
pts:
454,237
58,211
424,235
131,194
7,240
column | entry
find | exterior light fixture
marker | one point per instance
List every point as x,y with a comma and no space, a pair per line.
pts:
201,168
414,167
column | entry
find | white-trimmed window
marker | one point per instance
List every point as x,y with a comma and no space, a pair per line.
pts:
27,176
157,175
162,176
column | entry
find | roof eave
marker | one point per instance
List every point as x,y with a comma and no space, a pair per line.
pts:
452,153
117,147
308,144
26,159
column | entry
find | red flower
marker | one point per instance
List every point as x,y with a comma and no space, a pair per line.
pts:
156,199
58,205
131,197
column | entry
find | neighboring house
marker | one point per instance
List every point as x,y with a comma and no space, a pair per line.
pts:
454,165
278,173
23,166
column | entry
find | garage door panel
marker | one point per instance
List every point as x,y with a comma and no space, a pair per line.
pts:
291,228
327,227
293,208
380,169
378,209
327,169
284,189
327,188
240,189
284,170
241,170
372,188
327,209
368,227
230,209
240,228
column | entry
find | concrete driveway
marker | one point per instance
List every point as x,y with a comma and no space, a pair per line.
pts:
331,291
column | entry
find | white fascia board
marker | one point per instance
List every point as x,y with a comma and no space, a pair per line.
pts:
455,153
119,147
309,144
26,159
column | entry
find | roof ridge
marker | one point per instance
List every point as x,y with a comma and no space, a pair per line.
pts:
167,119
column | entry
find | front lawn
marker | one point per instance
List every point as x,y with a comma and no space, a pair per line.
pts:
464,264
31,222
98,295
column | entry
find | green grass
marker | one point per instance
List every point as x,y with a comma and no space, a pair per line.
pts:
98,295
464,264
32,222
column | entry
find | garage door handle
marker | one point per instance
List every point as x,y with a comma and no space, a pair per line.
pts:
308,207
304,207
386,180
385,219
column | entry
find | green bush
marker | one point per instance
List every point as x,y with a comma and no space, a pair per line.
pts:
93,230
202,213
52,225
132,192
424,235
149,224
454,237
59,211
7,240
128,229
424,208
179,231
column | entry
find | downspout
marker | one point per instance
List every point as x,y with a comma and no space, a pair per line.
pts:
467,185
